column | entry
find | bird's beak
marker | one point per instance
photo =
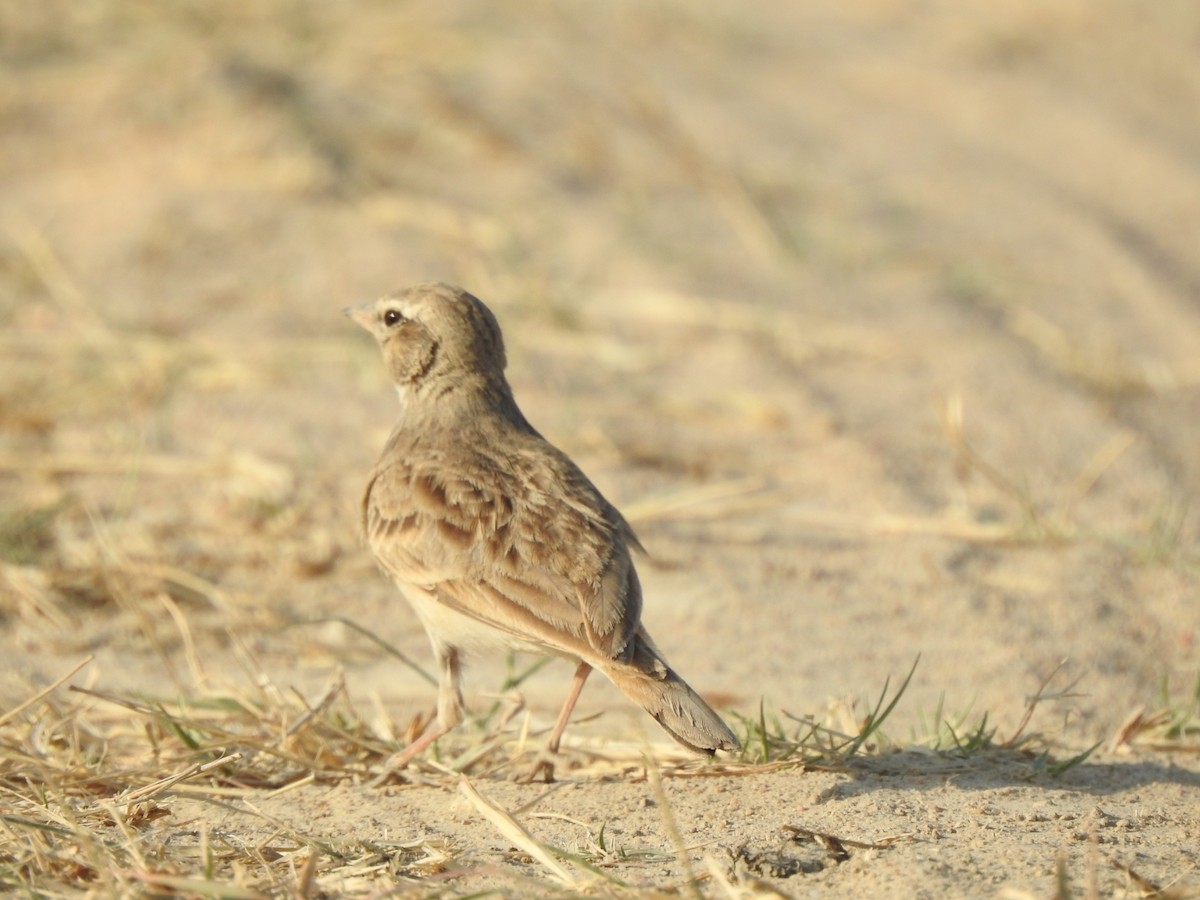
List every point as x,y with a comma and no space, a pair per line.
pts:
362,315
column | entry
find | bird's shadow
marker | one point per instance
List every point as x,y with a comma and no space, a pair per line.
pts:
1004,768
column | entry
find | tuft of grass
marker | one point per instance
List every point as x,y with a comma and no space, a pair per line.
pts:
1173,725
955,736
772,741
84,778
767,740
90,781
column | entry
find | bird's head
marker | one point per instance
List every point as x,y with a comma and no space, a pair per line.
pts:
435,336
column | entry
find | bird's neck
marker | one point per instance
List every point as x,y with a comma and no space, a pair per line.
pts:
456,404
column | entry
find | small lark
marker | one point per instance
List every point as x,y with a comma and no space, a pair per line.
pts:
495,537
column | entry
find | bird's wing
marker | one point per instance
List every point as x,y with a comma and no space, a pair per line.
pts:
526,544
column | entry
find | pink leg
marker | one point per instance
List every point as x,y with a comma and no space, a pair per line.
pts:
544,767
581,675
416,748
450,713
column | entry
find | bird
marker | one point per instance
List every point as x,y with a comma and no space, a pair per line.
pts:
494,536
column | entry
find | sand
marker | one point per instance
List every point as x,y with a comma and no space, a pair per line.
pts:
880,320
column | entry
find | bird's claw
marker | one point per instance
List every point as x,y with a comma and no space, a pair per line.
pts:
543,768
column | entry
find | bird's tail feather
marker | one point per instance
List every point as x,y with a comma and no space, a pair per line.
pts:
649,682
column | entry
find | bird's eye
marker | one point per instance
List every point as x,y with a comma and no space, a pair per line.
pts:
392,317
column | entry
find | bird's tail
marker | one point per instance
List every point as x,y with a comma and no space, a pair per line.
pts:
648,681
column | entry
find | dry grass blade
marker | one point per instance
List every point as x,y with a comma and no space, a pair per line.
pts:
707,495
717,874
1135,723
331,693
45,261
654,776
515,832
945,526
280,757
272,477
41,695
84,782
370,635
163,784
835,843
721,182
797,333
307,879
1173,726
1144,886
156,884
745,888
1102,460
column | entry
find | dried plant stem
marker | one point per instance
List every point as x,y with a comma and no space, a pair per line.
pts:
41,695
157,787
515,832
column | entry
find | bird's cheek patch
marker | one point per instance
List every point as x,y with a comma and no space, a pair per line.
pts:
411,353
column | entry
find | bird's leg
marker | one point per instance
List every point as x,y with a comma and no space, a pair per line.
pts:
450,713
582,671
544,766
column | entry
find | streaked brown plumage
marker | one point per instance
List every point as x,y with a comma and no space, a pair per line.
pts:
495,537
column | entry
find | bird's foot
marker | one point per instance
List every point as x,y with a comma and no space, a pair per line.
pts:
392,768
401,760
542,769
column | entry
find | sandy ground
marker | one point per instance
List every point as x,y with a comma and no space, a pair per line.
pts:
880,319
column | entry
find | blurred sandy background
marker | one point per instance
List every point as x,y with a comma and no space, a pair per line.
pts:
880,319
